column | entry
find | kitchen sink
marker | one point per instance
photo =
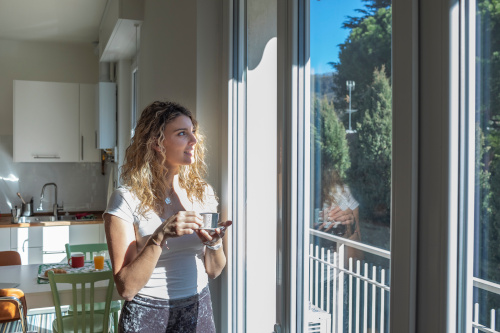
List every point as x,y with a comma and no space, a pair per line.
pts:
36,219
30,219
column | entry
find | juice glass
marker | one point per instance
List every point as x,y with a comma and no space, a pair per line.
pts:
99,260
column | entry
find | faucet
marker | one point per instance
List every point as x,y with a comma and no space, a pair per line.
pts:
55,208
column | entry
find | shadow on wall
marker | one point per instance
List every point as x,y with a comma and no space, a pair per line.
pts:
261,30
81,186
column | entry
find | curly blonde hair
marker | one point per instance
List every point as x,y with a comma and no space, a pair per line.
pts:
144,172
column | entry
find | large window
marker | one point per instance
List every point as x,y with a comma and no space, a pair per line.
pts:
481,107
349,192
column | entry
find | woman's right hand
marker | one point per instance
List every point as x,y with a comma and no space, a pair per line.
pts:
182,223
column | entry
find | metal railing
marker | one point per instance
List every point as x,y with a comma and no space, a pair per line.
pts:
489,287
344,299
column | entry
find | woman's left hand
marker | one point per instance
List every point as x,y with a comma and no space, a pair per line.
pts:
209,237
339,216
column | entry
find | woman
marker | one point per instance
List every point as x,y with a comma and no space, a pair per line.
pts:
161,259
340,214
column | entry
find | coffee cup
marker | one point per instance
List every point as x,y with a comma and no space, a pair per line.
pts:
210,221
77,260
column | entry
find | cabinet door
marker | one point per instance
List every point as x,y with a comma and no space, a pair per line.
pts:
46,121
28,242
106,115
86,234
4,239
54,241
88,134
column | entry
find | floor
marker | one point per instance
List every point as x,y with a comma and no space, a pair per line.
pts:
41,323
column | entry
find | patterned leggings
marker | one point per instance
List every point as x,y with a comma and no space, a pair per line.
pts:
146,315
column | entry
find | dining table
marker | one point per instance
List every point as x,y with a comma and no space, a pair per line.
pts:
38,293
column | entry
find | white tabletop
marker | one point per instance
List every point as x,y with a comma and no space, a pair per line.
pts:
40,295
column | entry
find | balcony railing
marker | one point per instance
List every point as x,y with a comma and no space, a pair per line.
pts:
489,287
353,297
347,296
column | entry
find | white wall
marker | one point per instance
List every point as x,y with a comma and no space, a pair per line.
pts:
180,60
209,87
167,61
81,185
124,105
261,180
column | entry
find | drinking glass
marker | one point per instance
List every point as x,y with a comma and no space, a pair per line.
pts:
99,260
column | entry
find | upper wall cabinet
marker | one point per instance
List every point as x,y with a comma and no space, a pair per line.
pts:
118,29
88,135
54,122
106,115
46,116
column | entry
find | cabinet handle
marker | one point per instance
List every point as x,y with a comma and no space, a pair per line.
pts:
24,243
52,252
95,139
82,147
46,156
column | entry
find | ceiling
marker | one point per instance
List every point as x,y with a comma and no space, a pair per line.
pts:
66,21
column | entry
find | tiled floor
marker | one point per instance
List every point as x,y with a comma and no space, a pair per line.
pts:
41,323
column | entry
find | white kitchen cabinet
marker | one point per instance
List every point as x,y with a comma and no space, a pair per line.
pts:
38,245
106,115
88,135
4,239
54,241
46,119
86,234
29,243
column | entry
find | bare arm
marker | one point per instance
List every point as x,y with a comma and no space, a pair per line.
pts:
132,267
215,260
357,230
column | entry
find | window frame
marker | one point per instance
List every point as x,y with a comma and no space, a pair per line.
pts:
424,212
425,207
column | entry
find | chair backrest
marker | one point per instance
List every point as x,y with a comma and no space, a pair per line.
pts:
87,249
9,258
12,300
84,292
12,305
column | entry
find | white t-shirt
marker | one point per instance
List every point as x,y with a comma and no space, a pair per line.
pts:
180,270
343,198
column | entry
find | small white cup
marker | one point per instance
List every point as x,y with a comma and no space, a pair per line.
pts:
210,221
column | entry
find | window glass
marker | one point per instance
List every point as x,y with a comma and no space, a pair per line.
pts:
486,290
350,154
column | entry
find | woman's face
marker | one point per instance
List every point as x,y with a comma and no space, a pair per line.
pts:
179,142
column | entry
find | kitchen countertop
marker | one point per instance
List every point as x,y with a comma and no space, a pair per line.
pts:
5,221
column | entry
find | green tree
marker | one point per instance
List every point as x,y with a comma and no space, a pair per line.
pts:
370,173
331,139
367,47
371,7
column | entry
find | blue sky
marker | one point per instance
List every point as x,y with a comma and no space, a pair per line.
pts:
326,30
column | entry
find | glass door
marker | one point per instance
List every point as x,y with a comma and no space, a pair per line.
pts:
481,223
347,191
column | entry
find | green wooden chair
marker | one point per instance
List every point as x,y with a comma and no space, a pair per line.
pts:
87,250
88,320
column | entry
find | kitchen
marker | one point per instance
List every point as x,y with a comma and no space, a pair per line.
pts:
60,44
56,41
